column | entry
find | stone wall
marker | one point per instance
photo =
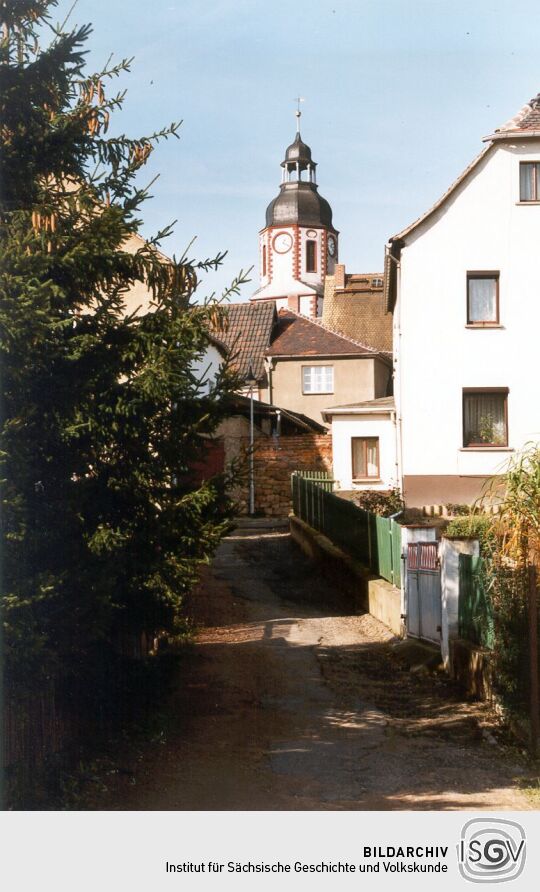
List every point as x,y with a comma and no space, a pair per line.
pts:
276,459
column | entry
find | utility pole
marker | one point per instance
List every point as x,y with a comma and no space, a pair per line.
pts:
251,380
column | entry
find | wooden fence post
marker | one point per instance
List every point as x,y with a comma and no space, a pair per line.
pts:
533,656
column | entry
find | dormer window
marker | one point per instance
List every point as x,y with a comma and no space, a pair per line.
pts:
529,181
311,256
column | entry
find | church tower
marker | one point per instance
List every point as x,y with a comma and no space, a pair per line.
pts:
299,245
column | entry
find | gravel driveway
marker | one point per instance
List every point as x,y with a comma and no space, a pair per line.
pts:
284,702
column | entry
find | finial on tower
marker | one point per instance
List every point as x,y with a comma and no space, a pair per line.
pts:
298,113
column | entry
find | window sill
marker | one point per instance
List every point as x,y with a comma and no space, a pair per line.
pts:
317,393
524,203
367,480
487,449
482,325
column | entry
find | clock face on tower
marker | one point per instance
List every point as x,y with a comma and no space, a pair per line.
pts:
332,246
282,242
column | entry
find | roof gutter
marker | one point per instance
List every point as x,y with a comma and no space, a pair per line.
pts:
316,356
392,255
379,410
512,134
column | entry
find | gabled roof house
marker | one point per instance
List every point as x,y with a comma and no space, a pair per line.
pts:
299,363
463,284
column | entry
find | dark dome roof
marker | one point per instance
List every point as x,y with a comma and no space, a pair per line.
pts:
300,203
298,151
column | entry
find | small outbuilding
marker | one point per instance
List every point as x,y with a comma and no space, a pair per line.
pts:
364,441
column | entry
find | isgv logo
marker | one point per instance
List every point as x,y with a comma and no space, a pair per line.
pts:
491,850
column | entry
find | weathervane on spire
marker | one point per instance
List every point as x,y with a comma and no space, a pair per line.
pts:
298,113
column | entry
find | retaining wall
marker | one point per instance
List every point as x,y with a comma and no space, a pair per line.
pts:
274,461
361,590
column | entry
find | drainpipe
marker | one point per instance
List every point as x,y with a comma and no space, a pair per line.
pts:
251,380
251,461
268,367
399,419
396,360
396,447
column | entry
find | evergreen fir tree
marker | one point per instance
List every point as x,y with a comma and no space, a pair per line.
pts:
102,414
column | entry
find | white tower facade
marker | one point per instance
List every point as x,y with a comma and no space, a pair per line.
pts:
298,246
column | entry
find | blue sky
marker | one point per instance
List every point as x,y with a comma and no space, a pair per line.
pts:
397,98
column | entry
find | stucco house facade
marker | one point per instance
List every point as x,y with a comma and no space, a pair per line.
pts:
463,283
364,444
309,365
299,364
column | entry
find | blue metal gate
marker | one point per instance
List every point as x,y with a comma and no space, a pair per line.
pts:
424,611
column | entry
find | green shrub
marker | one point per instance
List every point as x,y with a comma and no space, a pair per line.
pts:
458,510
473,526
385,503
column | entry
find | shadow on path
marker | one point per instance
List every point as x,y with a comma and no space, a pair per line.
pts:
285,703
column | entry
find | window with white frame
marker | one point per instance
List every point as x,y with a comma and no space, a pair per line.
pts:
317,379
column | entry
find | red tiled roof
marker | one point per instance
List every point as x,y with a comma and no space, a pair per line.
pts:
246,332
526,120
296,335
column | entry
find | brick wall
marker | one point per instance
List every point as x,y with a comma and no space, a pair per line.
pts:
275,460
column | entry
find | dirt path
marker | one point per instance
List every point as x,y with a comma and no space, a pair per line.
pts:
284,703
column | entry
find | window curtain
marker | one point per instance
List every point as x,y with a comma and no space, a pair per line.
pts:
365,457
318,379
372,457
483,300
485,419
529,174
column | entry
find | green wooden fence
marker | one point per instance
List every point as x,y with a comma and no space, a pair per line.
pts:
321,478
374,541
474,605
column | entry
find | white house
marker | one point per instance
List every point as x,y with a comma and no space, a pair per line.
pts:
364,448
207,366
463,283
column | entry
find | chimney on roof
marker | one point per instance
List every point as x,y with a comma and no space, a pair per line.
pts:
339,275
